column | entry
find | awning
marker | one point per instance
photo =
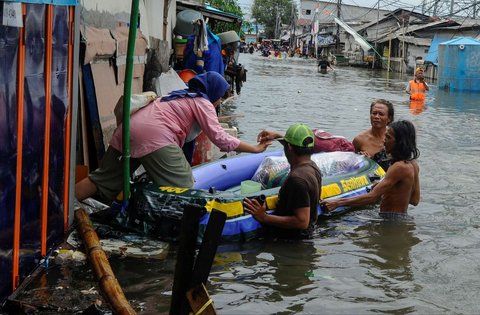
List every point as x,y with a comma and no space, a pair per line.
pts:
209,12
54,2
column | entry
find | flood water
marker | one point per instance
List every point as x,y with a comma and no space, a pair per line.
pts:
355,264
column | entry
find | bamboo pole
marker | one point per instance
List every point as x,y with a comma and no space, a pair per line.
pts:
108,283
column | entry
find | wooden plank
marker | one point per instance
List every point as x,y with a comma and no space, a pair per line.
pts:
208,249
200,301
82,138
95,130
185,259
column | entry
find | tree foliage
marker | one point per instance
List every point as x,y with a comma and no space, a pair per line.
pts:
230,6
266,12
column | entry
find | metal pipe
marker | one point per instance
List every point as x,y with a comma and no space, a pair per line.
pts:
48,110
74,107
127,93
18,171
68,123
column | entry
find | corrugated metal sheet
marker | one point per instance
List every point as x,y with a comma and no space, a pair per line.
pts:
458,66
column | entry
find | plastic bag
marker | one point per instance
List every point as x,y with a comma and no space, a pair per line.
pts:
137,101
274,170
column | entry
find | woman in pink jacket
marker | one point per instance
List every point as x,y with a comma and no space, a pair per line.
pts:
157,133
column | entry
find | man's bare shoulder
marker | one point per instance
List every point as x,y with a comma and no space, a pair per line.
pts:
363,136
402,168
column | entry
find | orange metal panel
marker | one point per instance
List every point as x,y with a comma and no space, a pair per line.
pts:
48,104
18,189
68,126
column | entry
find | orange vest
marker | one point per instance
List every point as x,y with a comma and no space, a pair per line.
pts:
417,91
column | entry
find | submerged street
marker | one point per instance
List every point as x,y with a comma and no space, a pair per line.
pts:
356,264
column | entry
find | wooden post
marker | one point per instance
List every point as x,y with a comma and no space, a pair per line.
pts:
200,301
189,292
208,249
185,258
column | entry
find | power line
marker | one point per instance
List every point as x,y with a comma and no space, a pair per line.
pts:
450,8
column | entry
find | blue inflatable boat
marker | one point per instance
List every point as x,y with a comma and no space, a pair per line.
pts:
157,211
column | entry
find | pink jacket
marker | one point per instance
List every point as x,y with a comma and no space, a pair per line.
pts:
162,123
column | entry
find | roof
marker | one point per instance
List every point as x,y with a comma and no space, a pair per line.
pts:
209,11
399,32
303,22
462,41
418,41
388,16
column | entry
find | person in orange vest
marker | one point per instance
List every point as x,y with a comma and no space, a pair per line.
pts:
417,87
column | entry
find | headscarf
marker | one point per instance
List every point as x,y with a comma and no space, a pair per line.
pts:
210,85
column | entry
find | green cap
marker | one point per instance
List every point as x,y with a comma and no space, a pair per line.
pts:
299,135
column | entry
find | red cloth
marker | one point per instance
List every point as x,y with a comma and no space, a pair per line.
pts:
326,142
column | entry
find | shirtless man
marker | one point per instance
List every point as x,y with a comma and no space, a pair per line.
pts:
370,142
400,186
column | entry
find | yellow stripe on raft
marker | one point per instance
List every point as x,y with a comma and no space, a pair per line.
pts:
330,191
170,189
232,209
380,171
271,202
235,208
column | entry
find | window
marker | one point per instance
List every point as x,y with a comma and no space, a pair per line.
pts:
308,12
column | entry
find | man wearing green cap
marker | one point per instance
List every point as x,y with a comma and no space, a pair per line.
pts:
296,211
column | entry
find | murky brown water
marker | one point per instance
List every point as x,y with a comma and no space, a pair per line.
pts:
355,264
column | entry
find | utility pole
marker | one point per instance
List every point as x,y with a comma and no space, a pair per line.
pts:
337,40
292,32
276,24
376,32
403,45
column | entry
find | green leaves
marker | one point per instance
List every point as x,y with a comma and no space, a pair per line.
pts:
272,13
230,6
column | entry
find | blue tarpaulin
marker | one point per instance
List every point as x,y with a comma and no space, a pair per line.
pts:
212,57
432,55
54,2
34,142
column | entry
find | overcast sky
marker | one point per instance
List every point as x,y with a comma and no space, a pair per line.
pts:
384,4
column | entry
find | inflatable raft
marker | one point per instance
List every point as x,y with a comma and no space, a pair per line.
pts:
157,211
